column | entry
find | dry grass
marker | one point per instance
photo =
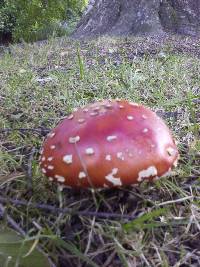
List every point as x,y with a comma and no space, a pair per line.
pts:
39,85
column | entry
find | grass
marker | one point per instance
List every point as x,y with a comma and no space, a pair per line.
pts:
40,84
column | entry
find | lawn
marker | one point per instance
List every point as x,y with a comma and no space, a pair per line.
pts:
155,224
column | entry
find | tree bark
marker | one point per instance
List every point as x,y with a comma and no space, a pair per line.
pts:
138,17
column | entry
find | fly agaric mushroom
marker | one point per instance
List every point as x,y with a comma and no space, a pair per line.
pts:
107,144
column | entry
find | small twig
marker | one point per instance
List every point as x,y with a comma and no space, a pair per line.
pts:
11,221
56,210
175,201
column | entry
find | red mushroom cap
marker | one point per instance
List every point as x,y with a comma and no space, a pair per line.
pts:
108,143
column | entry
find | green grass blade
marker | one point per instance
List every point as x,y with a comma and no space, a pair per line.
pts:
144,221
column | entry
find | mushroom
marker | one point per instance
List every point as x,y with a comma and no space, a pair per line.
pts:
108,144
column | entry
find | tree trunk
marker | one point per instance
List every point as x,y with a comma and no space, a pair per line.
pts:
138,17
